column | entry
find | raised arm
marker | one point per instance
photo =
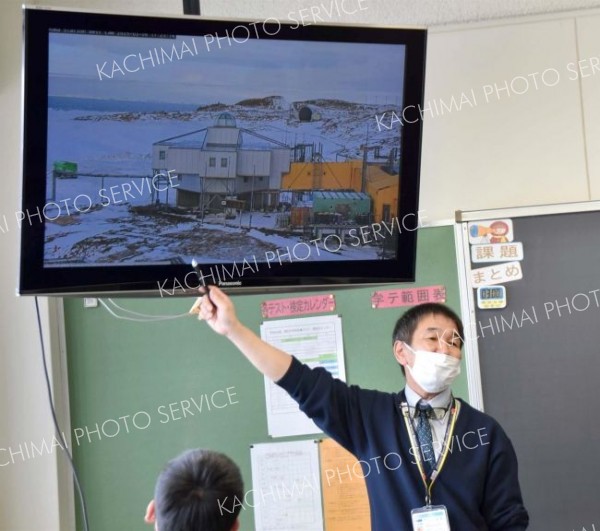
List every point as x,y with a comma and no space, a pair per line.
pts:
218,311
334,406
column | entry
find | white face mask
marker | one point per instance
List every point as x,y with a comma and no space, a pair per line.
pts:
433,371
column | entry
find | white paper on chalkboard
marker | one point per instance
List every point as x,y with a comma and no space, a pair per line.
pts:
286,487
315,341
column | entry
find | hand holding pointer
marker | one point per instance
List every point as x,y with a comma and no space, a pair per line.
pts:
216,309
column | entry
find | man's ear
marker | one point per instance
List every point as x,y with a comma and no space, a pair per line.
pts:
150,516
401,352
236,525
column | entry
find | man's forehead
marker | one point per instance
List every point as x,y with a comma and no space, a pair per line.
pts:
435,320
442,330
437,324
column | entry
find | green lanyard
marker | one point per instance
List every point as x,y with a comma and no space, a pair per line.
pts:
446,446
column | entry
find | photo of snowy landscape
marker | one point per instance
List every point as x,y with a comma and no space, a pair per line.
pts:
158,155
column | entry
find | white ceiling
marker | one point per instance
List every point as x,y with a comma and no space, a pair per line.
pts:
401,12
419,12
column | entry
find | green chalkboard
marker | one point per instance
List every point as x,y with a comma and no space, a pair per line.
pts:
128,369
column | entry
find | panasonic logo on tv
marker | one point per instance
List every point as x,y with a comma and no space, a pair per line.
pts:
236,283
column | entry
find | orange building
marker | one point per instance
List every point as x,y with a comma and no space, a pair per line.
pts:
323,176
382,187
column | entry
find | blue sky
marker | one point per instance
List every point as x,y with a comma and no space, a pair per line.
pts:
296,70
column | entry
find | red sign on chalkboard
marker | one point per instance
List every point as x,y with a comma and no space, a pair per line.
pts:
392,298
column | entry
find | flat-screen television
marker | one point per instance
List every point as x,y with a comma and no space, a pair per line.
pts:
275,154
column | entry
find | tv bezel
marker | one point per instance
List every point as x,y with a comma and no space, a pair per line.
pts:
133,280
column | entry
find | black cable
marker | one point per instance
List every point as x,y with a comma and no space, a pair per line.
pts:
56,426
191,7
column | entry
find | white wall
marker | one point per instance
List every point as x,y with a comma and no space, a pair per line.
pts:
515,147
589,46
24,414
29,492
502,153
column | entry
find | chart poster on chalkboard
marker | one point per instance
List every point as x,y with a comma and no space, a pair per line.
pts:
316,341
285,486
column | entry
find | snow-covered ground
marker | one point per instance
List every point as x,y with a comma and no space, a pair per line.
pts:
121,143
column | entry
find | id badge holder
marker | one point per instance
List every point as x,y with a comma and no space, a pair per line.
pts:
430,518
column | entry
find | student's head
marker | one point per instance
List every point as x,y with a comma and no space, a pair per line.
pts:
192,491
433,327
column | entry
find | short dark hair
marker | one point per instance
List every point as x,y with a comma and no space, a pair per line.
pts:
408,322
191,490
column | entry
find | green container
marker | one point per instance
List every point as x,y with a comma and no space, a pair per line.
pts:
352,203
65,167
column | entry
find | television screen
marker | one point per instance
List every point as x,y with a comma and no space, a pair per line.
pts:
275,155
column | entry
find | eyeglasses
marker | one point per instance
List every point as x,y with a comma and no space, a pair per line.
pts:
435,413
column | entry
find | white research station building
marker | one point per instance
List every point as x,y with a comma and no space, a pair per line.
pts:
224,162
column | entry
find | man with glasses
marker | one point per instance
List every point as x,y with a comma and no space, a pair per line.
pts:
454,466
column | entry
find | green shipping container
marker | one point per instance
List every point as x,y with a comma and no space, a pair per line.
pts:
65,167
347,202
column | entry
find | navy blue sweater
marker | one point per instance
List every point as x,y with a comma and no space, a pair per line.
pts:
478,483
